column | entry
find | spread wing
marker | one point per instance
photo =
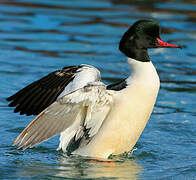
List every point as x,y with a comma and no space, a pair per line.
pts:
90,105
37,96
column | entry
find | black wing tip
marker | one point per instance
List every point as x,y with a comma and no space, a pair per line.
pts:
21,111
12,104
9,98
18,109
24,112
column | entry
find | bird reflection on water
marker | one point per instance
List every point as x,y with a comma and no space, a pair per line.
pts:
120,168
77,167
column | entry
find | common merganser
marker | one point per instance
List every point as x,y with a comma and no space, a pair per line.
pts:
94,119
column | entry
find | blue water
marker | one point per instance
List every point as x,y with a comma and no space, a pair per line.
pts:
40,36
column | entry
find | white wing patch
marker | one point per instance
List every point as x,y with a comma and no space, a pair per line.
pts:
85,75
88,106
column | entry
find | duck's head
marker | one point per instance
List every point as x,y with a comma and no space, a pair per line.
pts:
142,35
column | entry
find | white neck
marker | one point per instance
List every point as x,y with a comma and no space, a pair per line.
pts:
142,72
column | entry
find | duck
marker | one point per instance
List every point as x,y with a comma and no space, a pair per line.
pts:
94,119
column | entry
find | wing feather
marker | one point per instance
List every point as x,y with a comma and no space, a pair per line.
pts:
56,80
62,114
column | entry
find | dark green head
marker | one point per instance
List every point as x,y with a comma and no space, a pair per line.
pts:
142,35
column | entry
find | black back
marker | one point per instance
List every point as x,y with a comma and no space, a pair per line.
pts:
117,86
